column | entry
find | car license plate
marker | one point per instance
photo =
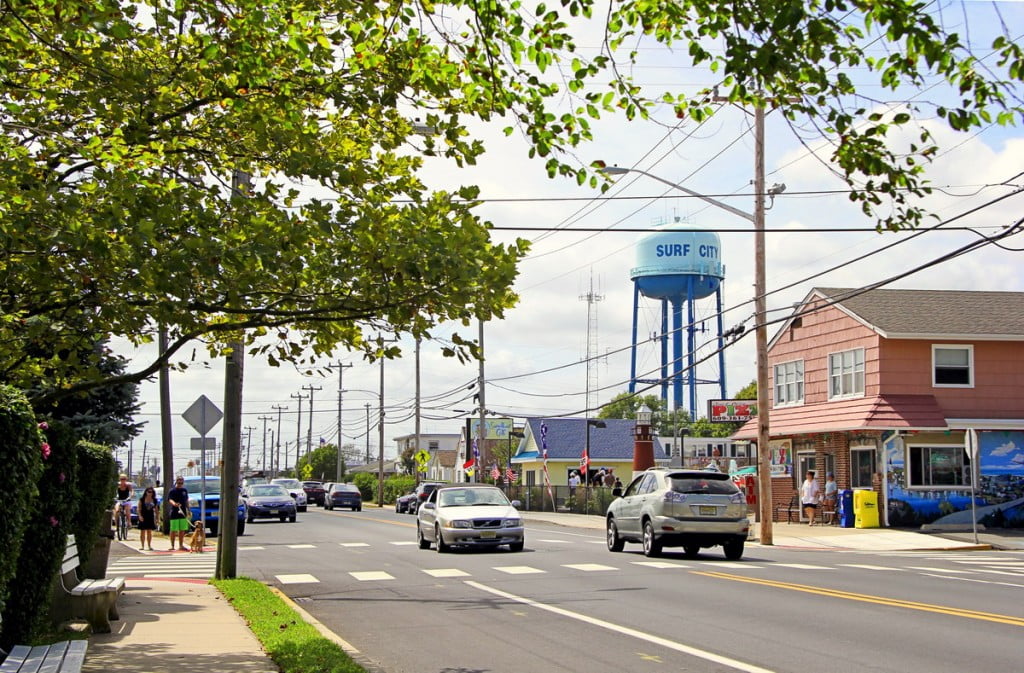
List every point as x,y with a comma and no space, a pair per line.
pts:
273,511
488,535
708,510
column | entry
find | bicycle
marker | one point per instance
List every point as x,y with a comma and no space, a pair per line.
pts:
123,520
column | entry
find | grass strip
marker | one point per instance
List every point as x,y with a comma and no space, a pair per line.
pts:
294,645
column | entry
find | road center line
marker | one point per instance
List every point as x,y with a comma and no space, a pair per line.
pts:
626,631
867,598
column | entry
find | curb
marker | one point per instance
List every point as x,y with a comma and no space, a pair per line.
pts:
357,656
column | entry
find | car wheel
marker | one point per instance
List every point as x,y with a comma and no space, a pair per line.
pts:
357,509
213,530
398,510
691,550
442,547
516,546
249,518
292,518
303,508
652,546
615,543
283,519
733,550
424,542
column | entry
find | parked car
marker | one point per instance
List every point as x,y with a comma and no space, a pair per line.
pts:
422,492
345,495
692,509
402,502
212,500
315,492
469,515
294,487
268,501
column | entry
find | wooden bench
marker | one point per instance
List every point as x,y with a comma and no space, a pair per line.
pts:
94,600
67,656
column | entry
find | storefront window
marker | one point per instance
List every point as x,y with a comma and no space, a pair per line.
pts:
939,466
862,466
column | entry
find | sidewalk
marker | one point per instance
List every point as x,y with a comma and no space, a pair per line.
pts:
175,625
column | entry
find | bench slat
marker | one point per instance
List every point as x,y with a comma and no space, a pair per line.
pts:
54,657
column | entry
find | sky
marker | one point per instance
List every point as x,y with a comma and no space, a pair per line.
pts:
536,358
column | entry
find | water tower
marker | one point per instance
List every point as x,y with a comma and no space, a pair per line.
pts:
679,264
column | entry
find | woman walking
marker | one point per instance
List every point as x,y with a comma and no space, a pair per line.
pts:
148,518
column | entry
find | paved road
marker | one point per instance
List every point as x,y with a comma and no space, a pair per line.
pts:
567,604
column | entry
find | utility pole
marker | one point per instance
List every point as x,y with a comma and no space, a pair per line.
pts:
276,458
263,463
248,445
341,370
417,430
166,438
367,433
482,430
764,481
298,432
309,431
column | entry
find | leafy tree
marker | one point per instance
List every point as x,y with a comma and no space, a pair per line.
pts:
323,464
123,123
663,423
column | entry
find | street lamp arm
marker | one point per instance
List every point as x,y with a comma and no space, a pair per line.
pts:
618,170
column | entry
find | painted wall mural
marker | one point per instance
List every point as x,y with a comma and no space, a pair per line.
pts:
920,477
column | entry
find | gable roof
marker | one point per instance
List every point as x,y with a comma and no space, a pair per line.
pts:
566,439
919,314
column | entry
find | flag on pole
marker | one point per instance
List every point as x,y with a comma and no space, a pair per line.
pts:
468,464
495,473
510,475
585,462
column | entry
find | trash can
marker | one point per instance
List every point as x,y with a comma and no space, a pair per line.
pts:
865,509
845,513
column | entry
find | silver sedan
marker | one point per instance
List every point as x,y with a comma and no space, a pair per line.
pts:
469,515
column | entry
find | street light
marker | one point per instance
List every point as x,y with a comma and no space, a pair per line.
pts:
591,422
760,311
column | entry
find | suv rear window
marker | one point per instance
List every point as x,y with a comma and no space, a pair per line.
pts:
712,482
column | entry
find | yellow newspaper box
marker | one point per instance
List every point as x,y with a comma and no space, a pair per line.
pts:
865,509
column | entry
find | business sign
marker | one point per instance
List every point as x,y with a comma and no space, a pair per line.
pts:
494,428
731,411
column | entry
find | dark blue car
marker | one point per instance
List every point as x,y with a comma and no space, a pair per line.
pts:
195,495
344,495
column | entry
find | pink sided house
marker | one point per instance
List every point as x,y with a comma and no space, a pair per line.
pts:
915,394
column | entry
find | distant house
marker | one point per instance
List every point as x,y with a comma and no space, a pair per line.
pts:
442,449
917,395
611,447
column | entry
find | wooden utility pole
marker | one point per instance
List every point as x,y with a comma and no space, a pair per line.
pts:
309,430
341,389
231,444
166,438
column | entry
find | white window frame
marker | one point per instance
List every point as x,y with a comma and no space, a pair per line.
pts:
970,365
965,467
843,373
786,384
856,451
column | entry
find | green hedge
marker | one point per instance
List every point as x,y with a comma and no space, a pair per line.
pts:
19,477
26,614
97,482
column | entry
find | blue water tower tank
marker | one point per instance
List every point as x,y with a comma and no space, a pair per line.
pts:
668,261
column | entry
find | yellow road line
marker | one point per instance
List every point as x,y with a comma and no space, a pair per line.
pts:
867,598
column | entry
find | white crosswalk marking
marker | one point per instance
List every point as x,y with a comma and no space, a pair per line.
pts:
588,567
302,546
446,572
297,579
659,564
801,566
941,570
371,576
866,566
404,543
518,570
165,565
733,564
353,544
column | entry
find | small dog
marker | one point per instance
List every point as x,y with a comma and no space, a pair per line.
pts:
198,540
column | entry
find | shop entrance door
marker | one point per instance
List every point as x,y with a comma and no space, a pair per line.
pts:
804,462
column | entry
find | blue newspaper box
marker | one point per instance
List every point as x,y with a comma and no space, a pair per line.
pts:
846,515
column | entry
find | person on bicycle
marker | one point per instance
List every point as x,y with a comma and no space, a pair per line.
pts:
124,498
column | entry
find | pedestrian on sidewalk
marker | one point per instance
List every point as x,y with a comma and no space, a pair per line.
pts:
810,494
149,511
179,524
831,497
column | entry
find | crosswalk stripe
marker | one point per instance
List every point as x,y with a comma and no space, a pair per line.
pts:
941,570
371,576
801,566
297,579
353,544
518,570
588,567
866,566
302,546
446,572
659,564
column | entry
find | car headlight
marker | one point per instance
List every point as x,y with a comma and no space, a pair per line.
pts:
511,523
461,523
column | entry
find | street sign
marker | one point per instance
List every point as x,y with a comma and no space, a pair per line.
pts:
203,443
203,415
422,456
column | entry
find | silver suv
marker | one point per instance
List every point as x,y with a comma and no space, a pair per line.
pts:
691,509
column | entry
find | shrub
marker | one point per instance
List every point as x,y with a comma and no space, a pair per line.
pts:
50,520
97,477
397,485
367,484
19,477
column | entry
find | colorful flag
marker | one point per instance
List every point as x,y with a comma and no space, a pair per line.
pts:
585,462
468,464
495,473
510,475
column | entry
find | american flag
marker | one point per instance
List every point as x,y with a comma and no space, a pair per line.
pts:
495,473
510,475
